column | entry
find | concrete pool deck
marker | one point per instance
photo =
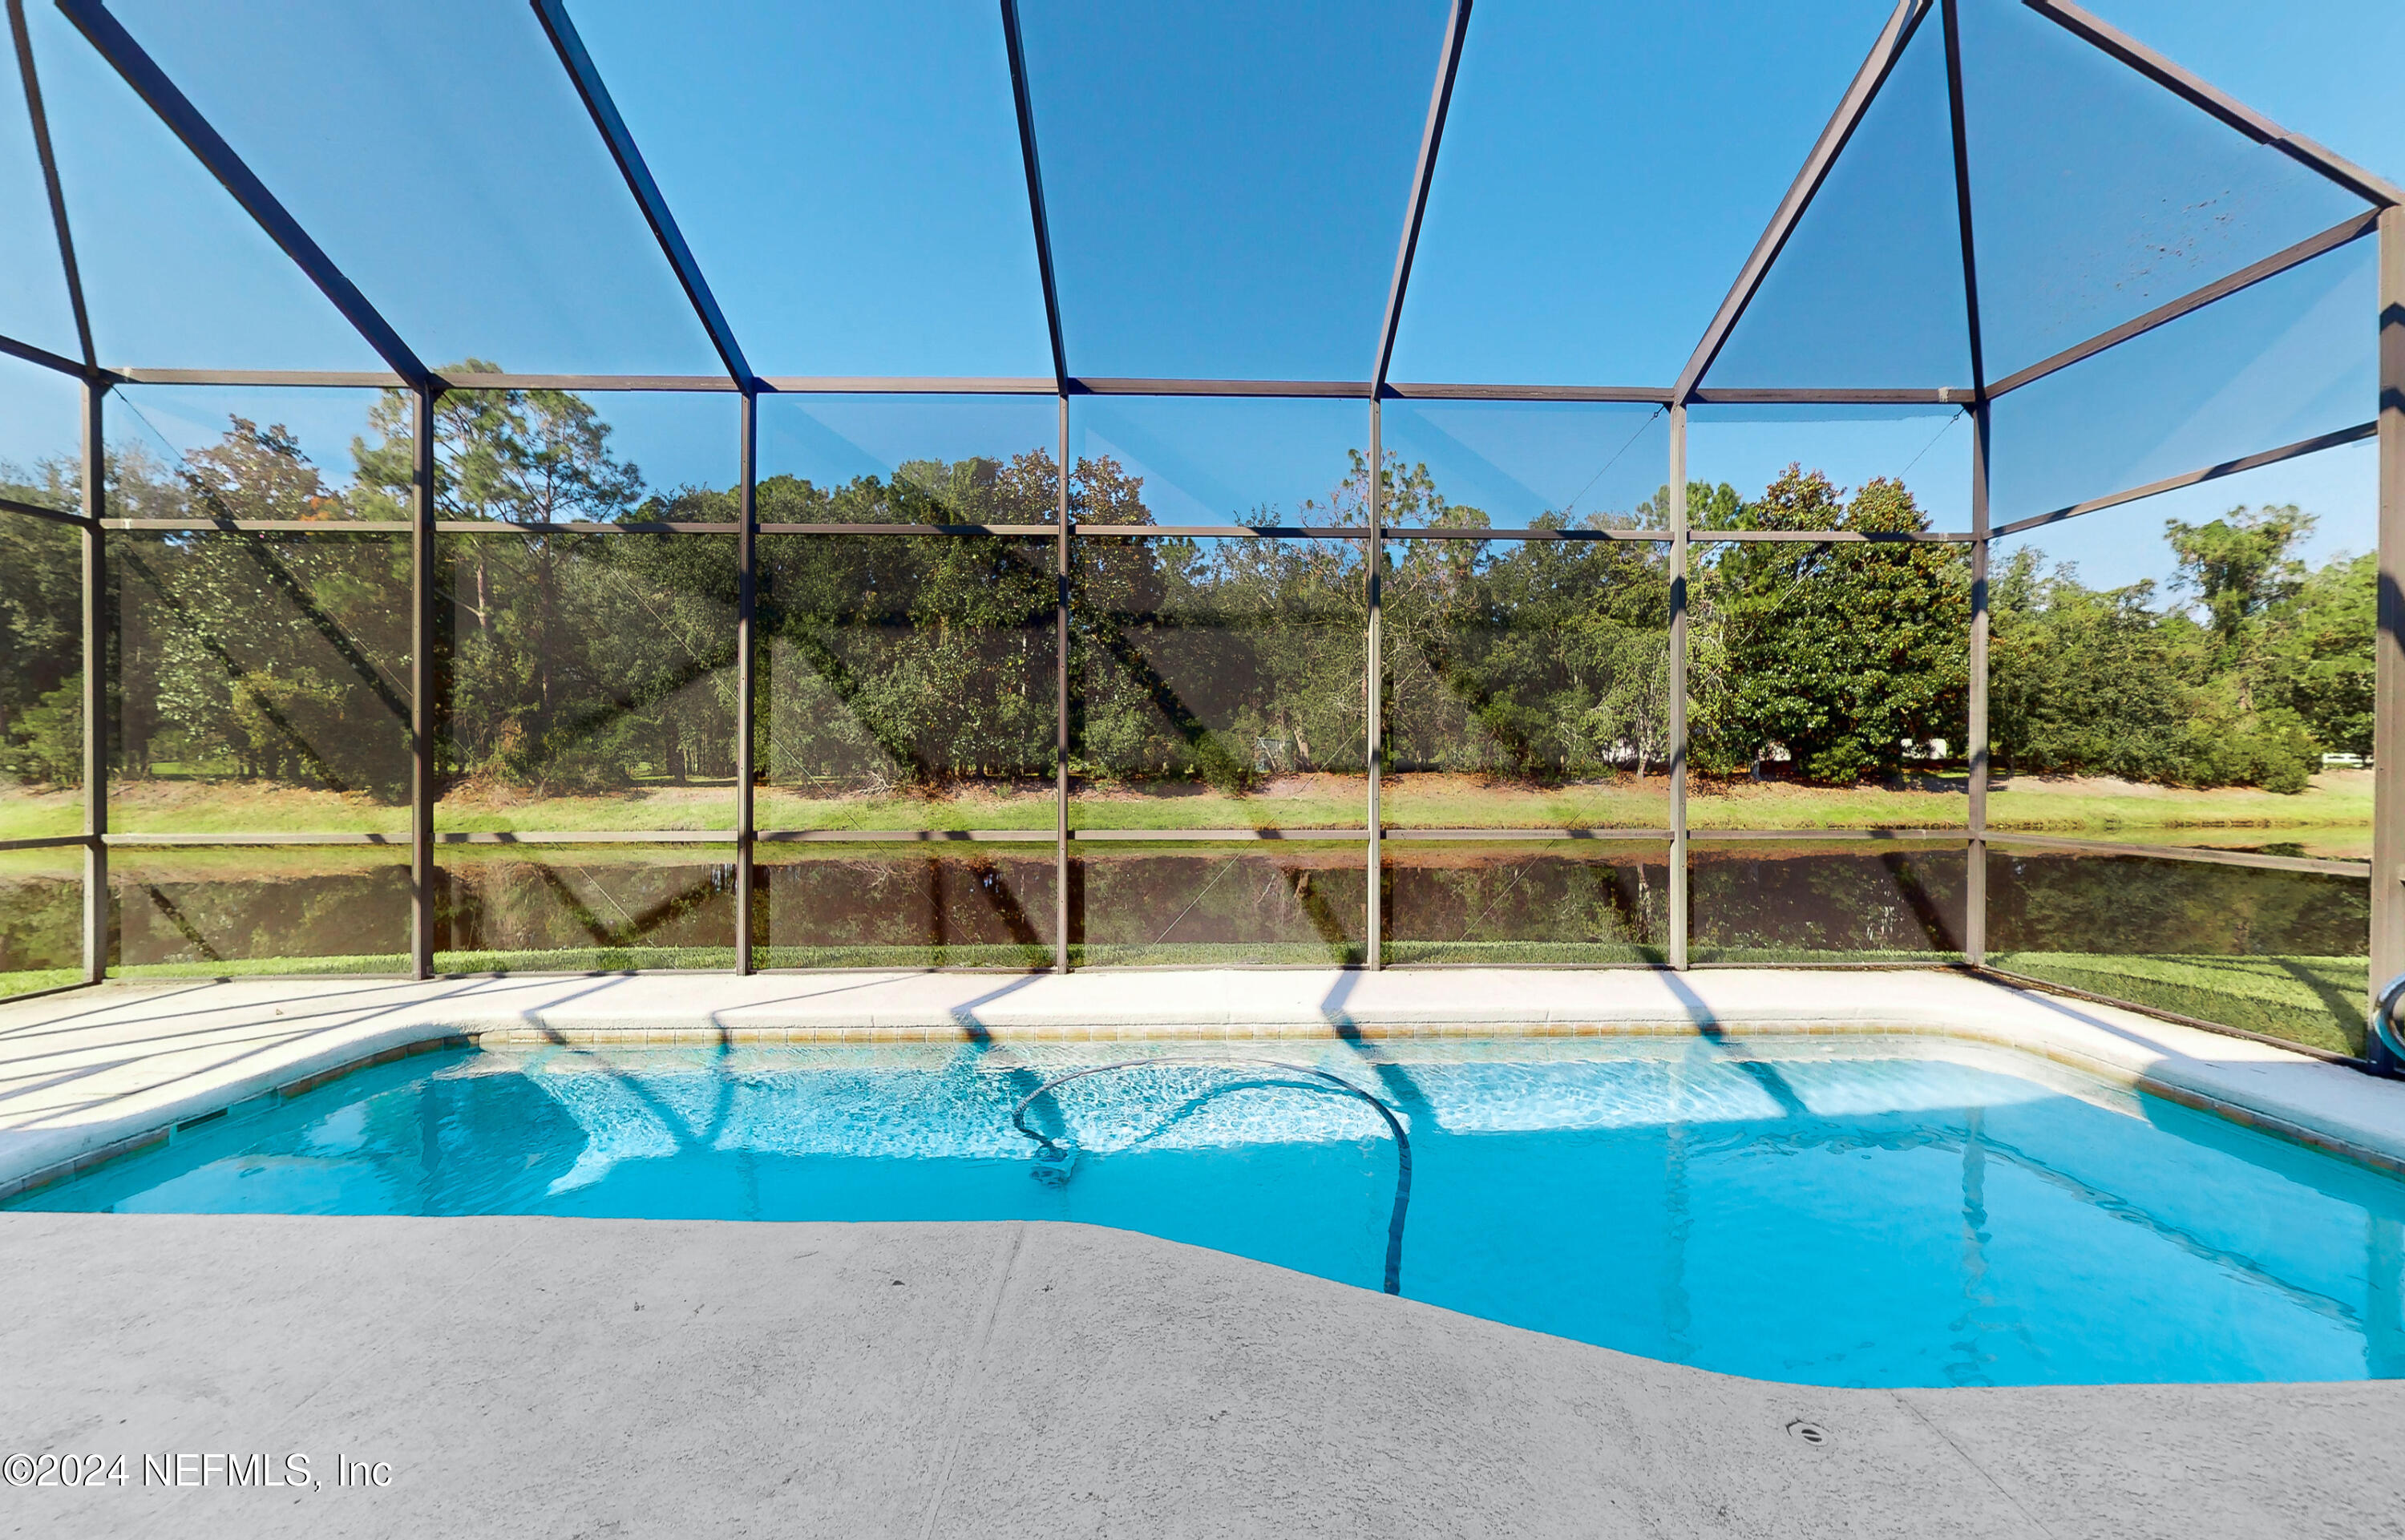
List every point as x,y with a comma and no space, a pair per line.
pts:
539,1377
90,1074
535,1376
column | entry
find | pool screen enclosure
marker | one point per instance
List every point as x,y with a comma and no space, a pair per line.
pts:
1217,633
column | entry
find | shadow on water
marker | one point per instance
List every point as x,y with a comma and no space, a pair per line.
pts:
1707,1026
1396,1080
979,1045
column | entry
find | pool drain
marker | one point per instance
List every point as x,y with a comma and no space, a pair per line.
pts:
1054,1163
1810,1433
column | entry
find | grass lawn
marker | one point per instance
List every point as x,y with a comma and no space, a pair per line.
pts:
39,978
2317,1001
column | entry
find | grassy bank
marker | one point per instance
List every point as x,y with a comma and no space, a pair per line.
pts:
2315,1001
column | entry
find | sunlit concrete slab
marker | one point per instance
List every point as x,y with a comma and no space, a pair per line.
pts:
83,1073
531,1375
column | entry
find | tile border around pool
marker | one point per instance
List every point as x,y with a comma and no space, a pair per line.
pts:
2100,1069
2335,1110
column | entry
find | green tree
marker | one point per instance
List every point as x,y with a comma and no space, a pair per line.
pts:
41,630
2238,565
568,660
1532,659
1849,655
2316,657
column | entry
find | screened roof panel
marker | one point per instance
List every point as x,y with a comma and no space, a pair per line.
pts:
175,273
1868,289
441,156
34,305
1227,183
2098,195
2291,358
1605,171
865,211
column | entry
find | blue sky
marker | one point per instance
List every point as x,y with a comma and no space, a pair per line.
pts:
849,177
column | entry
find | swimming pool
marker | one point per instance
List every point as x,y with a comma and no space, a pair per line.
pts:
1853,1212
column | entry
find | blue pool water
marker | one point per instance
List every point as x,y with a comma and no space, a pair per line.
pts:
1842,1214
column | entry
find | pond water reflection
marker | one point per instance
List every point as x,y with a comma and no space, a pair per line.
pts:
2282,953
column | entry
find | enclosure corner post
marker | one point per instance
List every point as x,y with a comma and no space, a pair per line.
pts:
1374,672
422,680
1975,880
747,589
96,687
1061,707
1974,896
1678,490
2388,716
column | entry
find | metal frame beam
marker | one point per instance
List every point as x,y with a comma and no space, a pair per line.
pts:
277,379
56,363
1943,395
1024,104
2388,690
1373,690
747,646
1835,537
128,57
574,58
1817,166
1374,577
907,384
1064,527
96,618
43,151
1679,879
35,510
425,680
1456,31
1974,907
463,381
1040,222
1078,385
1641,395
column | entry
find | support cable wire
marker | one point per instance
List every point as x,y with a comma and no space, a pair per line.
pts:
1057,1149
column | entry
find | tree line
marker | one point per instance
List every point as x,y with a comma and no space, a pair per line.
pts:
577,662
